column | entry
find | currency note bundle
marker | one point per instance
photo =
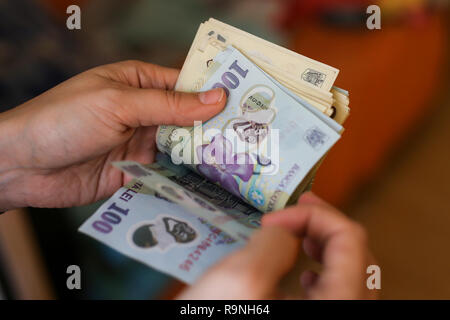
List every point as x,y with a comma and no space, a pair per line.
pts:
211,183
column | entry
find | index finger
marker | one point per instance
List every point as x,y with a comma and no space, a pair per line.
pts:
139,74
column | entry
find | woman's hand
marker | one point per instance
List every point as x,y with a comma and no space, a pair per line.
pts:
57,147
329,237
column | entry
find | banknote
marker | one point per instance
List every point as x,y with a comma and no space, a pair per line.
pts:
314,84
147,227
310,72
204,188
230,215
217,62
265,117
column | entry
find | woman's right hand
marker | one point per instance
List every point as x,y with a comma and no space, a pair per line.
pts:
329,237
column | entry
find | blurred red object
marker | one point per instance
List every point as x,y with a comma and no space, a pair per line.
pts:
294,11
392,75
58,7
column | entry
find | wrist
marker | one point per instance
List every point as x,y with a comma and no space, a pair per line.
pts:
10,171
10,193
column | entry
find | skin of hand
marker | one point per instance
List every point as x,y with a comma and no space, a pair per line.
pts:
328,236
57,148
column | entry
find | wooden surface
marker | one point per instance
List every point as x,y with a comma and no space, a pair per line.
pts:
22,257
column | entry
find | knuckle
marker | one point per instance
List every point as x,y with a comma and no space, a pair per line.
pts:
112,94
130,62
235,270
315,209
174,102
113,103
249,280
359,232
244,280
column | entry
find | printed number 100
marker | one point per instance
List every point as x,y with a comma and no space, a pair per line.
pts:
109,218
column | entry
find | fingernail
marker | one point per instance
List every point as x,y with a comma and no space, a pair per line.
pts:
212,96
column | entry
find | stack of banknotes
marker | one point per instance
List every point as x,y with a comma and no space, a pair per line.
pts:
211,183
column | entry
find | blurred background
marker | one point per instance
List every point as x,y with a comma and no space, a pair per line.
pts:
390,171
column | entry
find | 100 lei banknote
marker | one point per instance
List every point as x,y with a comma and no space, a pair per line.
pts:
262,145
148,227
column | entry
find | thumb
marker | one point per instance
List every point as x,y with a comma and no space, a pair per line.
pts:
148,107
